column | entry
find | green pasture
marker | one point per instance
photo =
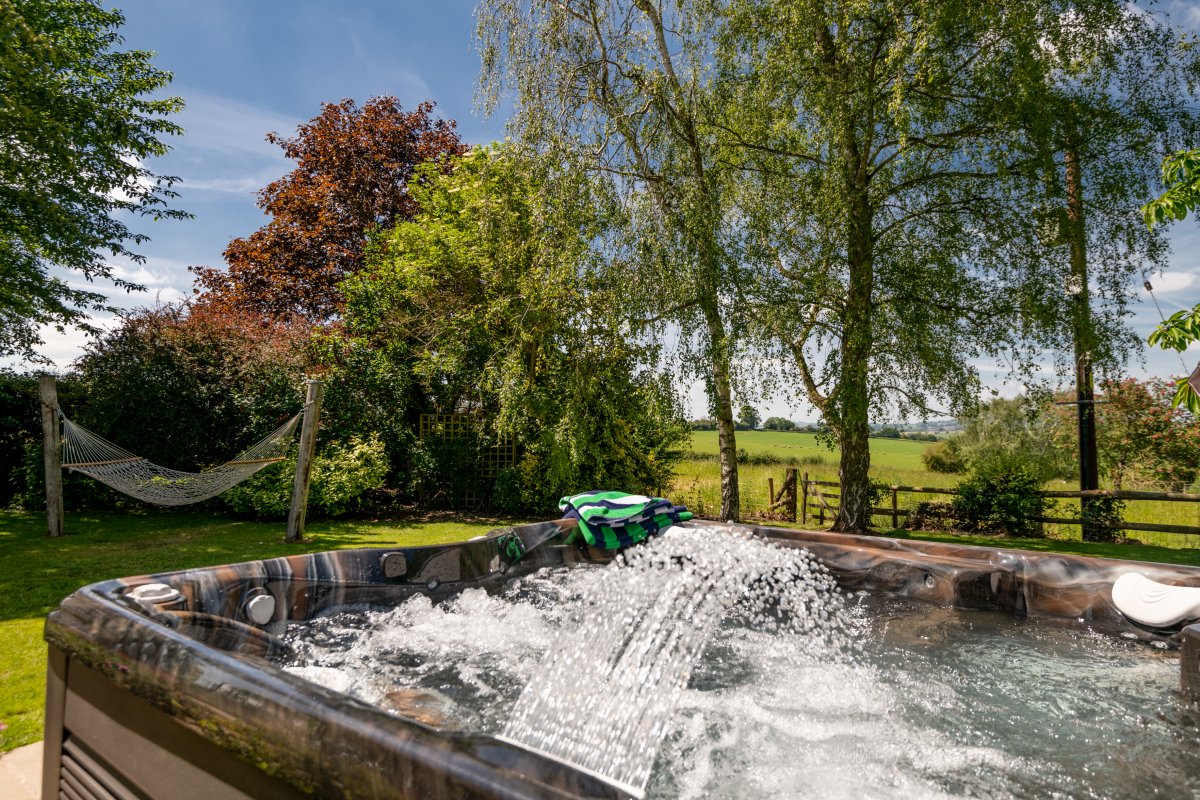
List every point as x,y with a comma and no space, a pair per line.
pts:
784,445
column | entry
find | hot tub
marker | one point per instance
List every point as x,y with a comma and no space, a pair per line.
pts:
174,694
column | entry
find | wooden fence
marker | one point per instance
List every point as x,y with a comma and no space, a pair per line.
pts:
800,499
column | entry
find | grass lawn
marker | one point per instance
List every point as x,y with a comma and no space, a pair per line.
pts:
37,572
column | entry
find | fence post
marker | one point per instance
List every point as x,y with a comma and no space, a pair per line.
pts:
789,486
895,508
308,445
51,455
804,501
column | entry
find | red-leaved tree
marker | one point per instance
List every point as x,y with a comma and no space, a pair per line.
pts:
188,387
1142,438
352,170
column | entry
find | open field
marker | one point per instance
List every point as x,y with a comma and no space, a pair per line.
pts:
783,445
893,461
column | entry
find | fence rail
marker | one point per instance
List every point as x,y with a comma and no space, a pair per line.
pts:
801,498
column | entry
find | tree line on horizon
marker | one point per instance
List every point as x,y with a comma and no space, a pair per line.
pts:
852,202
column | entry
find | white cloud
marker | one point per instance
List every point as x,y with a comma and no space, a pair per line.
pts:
62,348
142,182
231,127
156,271
1172,281
242,185
1185,13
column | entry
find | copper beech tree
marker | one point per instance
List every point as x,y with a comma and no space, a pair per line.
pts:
352,169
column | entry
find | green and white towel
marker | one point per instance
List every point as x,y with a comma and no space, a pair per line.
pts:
612,520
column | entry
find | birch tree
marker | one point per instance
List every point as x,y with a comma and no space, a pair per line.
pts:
904,181
619,87
1111,94
870,133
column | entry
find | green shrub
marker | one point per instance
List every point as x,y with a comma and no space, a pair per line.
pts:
877,492
342,474
507,492
1000,501
188,388
930,515
943,457
345,473
19,424
1104,513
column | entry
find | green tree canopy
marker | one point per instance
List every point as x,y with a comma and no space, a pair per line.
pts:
748,417
1142,436
493,299
1181,176
897,156
872,138
76,124
620,88
1007,435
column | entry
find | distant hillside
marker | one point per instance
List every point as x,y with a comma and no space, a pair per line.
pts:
938,426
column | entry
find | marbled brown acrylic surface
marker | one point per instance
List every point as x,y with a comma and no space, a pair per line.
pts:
199,658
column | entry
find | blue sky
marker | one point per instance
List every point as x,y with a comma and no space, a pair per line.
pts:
249,67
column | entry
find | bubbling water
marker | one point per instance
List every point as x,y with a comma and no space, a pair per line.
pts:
604,695
800,691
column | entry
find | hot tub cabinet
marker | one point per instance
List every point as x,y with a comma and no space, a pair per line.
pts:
170,694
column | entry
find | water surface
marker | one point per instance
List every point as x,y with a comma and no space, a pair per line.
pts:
921,702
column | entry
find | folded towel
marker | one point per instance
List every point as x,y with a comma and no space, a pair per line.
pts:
612,520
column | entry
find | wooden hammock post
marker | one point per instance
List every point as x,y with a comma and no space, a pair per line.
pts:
308,445
51,455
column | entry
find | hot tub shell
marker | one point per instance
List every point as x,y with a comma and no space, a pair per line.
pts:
176,700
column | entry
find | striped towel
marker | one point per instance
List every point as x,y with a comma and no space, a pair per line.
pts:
612,520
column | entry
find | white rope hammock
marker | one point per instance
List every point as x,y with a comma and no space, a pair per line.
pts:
84,451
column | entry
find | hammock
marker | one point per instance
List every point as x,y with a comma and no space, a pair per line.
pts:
84,451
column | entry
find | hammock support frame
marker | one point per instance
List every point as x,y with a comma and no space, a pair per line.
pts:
67,445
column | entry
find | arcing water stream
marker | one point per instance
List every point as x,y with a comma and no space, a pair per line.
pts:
604,695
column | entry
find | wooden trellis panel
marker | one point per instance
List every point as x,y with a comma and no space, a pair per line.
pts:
469,487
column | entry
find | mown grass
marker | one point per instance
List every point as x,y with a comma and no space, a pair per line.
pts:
893,461
36,573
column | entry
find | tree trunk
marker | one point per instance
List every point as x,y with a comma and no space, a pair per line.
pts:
854,511
1089,476
723,402
853,398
